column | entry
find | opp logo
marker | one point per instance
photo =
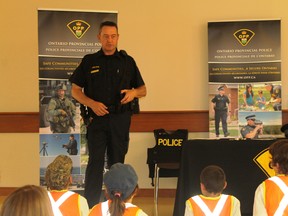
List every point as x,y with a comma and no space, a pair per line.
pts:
78,28
244,36
262,160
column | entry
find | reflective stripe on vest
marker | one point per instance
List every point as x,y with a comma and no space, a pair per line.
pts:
55,208
217,210
59,202
105,208
284,202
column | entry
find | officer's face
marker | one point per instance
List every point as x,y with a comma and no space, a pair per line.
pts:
61,93
251,122
108,37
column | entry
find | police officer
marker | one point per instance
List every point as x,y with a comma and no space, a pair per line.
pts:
61,111
252,130
275,92
220,106
111,80
71,146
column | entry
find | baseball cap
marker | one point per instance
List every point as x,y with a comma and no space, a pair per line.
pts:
121,178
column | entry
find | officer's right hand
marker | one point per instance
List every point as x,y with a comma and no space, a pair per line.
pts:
99,108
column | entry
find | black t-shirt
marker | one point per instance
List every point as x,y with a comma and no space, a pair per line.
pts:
220,102
103,77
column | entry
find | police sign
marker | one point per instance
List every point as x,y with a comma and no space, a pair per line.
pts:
170,139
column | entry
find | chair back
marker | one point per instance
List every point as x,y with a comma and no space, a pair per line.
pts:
166,150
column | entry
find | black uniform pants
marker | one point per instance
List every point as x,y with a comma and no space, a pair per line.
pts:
221,115
109,132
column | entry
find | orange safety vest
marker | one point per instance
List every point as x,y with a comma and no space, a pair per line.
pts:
203,206
276,196
70,206
102,209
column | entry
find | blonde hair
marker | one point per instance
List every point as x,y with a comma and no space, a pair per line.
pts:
58,173
29,200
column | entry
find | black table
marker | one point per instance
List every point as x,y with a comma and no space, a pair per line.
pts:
234,156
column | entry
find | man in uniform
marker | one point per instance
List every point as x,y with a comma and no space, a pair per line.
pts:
111,81
61,111
275,92
220,106
252,129
71,146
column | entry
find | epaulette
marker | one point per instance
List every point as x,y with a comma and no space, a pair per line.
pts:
123,52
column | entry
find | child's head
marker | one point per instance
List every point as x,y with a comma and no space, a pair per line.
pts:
213,180
28,200
260,92
121,180
121,183
58,173
279,153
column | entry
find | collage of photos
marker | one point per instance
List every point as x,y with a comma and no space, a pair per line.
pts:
61,130
245,111
64,38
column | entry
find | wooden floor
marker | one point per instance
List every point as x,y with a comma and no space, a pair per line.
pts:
165,205
164,208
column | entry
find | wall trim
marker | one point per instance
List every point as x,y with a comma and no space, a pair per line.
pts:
19,122
146,121
143,192
5,191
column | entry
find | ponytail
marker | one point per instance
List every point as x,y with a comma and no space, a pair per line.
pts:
117,206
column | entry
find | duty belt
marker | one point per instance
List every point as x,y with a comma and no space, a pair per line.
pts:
114,109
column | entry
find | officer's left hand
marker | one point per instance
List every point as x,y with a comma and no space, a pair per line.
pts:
129,95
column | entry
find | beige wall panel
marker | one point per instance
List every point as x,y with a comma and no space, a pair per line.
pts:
19,159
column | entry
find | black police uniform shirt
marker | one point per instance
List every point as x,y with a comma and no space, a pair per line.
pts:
247,129
220,102
102,76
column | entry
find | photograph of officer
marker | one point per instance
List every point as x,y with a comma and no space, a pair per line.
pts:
71,146
253,128
275,93
61,111
221,109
